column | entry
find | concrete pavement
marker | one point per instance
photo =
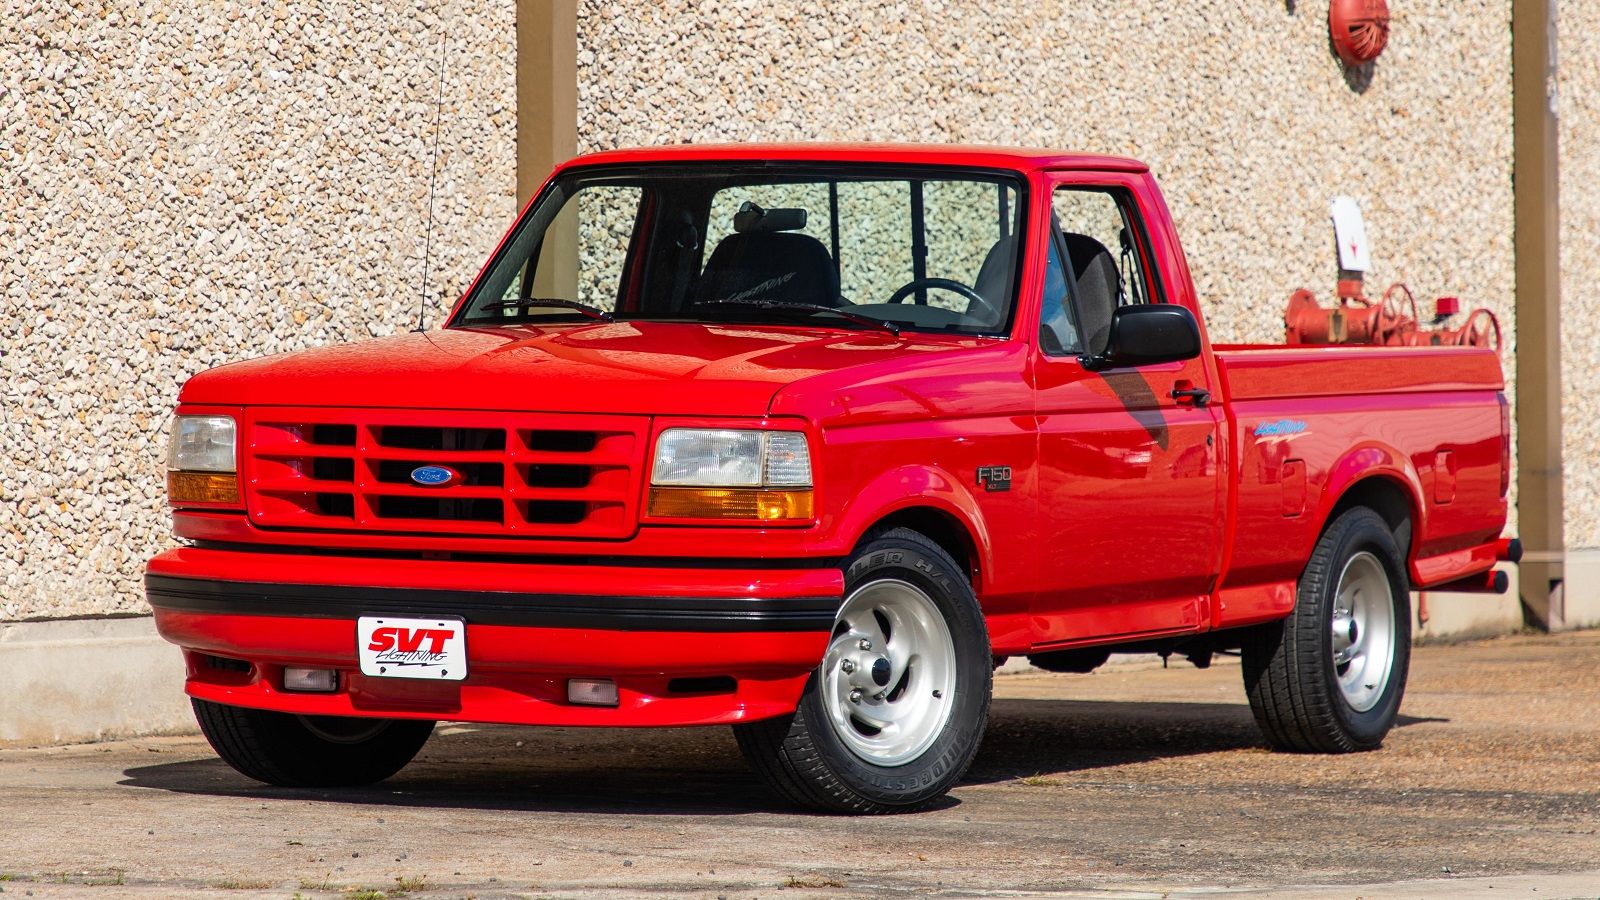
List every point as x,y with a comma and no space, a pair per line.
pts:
1131,783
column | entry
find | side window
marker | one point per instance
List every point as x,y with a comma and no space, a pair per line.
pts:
1058,326
1104,245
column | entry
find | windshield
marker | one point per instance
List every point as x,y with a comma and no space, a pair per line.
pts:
844,246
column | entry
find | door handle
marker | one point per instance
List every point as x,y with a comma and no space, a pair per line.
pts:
1196,396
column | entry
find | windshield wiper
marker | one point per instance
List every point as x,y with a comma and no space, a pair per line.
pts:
592,312
845,314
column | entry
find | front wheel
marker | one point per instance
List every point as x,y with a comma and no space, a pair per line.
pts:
309,751
1329,678
893,716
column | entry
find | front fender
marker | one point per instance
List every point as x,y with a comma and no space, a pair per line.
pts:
1003,585
921,487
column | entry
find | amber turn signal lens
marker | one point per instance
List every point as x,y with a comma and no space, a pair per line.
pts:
730,503
202,487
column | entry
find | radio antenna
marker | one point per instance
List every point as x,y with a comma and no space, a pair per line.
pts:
433,178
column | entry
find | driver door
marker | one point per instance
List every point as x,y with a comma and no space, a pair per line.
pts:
1130,467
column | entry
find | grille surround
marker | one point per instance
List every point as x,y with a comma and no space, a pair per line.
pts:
322,469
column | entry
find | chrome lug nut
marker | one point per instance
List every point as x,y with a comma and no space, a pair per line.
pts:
855,696
865,644
848,666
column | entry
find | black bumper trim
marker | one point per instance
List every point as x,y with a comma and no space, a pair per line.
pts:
717,614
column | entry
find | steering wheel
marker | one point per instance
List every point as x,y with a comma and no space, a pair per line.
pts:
948,284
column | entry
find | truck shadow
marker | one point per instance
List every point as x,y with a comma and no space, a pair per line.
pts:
1053,737
699,771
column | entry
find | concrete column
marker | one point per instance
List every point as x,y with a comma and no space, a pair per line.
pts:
547,89
1540,509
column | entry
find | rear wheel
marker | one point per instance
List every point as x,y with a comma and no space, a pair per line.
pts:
1329,679
309,751
894,714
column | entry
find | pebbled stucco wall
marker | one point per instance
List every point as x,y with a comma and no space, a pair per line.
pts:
186,184
1579,86
1239,107
182,185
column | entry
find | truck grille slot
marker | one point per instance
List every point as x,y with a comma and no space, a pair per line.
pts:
559,476
332,469
555,512
510,474
562,441
332,435
414,438
340,506
439,509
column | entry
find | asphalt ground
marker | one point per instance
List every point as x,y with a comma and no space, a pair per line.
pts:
1139,781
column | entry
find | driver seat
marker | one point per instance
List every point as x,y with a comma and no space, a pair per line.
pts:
1099,284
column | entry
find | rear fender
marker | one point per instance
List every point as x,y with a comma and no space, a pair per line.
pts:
1376,460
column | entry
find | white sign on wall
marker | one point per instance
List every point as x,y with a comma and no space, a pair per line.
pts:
1351,232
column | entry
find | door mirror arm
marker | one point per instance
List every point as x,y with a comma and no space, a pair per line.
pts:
1094,362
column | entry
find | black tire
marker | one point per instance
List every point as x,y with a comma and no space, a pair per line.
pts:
1290,672
309,751
802,757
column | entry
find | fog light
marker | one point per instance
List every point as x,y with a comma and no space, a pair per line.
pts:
592,691
310,681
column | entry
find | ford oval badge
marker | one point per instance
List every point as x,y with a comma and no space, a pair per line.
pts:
435,476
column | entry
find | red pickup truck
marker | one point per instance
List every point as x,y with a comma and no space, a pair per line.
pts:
805,440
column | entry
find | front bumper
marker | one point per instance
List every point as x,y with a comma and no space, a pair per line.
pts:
695,645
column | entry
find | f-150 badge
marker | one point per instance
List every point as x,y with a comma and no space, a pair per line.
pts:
1280,432
995,478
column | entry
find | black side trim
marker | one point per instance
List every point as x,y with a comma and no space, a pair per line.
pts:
721,614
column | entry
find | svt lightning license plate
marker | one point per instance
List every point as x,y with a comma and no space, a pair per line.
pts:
432,649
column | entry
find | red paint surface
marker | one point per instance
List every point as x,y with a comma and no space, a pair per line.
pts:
1131,514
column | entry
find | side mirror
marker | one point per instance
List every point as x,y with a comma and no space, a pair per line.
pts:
1146,334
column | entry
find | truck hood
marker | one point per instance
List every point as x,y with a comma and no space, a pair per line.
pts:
649,368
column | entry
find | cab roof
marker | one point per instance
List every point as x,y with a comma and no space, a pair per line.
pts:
1020,159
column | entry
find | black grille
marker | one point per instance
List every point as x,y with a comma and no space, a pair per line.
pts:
408,437
442,509
562,441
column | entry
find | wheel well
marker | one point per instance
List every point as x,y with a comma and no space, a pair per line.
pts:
940,527
1388,499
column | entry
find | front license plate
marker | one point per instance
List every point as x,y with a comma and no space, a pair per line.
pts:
430,649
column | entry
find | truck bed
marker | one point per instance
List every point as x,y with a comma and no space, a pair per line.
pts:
1306,423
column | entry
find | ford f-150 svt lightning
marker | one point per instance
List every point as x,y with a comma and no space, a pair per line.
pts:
804,440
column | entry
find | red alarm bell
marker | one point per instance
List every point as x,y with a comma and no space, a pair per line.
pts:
1360,29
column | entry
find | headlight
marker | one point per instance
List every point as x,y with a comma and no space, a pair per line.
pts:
203,444
728,458
202,460
724,473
